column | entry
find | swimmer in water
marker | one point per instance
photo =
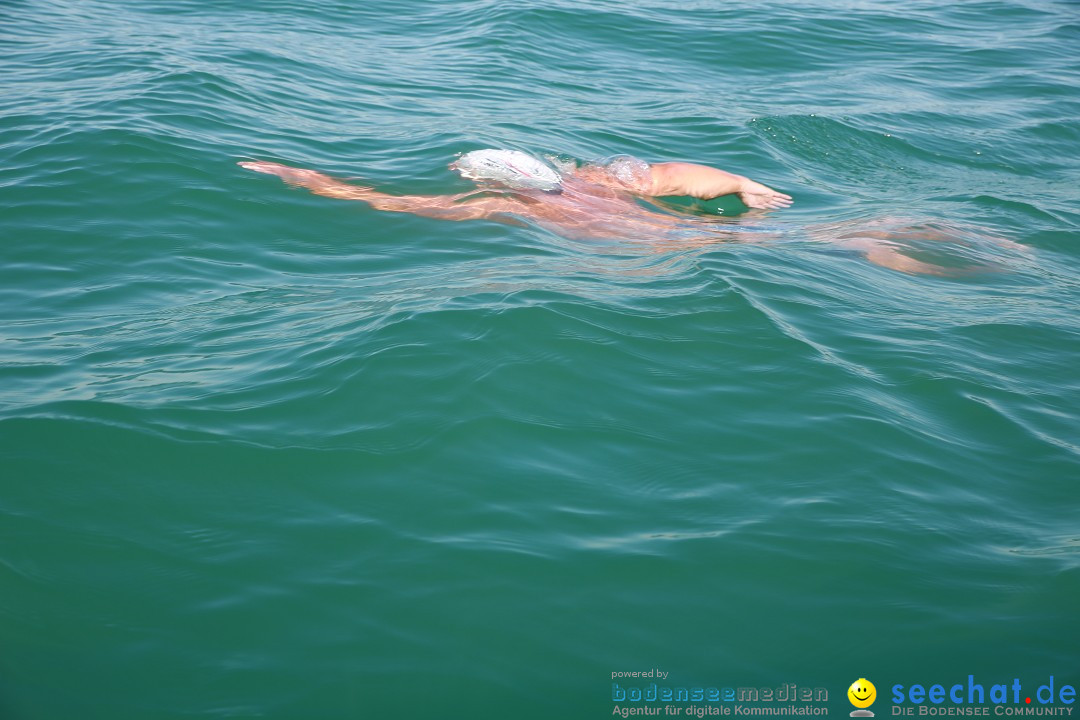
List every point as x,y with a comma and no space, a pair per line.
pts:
598,200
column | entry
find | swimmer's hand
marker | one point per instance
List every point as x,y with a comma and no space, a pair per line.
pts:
758,196
705,183
291,175
312,180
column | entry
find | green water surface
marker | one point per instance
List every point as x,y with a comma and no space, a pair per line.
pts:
272,455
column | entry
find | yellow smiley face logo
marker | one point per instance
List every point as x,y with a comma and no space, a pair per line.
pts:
862,693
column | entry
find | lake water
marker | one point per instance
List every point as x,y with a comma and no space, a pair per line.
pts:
268,454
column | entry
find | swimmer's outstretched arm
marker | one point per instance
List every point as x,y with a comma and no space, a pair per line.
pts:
704,182
446,207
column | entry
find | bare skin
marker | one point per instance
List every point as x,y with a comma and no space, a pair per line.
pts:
593,204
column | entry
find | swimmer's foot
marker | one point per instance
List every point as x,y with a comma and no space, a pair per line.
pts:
755,195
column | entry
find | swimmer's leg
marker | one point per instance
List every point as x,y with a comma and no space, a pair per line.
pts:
446,207
888,257
876,248
883,241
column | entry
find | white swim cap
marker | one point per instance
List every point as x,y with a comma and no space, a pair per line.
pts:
511,168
